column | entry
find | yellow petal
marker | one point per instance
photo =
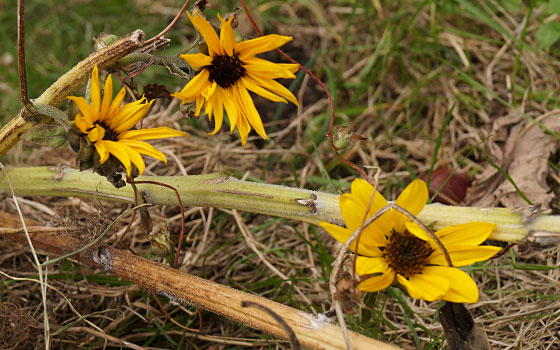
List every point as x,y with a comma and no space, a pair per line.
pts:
463,255
243,128
151,134
218,110
89,117
107,96
95,91
462,288
353,212
199,104
267,69
144,148
420,233
136,159
227,38
366,265
231,108
130,115
208,33
290,67
102,151
275,87
194,87
197,60
287,70
341,234
362,191
377,283
96,134
472,233
252,47
210,102
413,198
115,106
253,86
250,111
240,117
427,286
210,90
120,153
82,124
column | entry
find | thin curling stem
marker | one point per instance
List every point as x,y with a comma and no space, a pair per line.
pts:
327,92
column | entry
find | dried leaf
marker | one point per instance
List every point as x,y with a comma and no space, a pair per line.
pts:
153,91
460,330
523,155
347,292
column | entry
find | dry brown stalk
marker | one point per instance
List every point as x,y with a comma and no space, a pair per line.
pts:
311,332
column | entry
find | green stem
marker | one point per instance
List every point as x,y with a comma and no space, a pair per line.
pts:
221,191
175,64
158,60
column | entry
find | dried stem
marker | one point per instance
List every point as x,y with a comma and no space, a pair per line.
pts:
67,84
27,111
310,331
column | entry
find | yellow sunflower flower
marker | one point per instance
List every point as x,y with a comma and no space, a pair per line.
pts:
393,246
229,72
108,126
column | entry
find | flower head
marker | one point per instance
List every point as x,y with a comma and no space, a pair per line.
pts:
229,72
108,126
394,246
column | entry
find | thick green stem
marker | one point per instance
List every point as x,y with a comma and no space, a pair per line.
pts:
221,191
174,63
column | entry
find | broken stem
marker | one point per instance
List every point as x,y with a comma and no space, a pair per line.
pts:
310,331
221,191
67,84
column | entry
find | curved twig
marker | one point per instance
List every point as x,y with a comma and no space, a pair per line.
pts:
327,92
170,24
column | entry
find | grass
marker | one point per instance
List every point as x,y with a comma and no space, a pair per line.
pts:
421,81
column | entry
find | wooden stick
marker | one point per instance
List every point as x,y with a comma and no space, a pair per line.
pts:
311,332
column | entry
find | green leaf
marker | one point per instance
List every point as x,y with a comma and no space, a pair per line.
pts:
554,6
548,34
47,135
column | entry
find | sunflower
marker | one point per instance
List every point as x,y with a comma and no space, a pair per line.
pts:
108,126
229,72
393,246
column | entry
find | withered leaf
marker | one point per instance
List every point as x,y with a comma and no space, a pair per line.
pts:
523,154
460,330
153,91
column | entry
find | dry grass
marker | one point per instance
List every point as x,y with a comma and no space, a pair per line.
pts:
400,103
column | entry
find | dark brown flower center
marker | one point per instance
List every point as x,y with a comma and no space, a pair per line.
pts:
226,70
406,253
